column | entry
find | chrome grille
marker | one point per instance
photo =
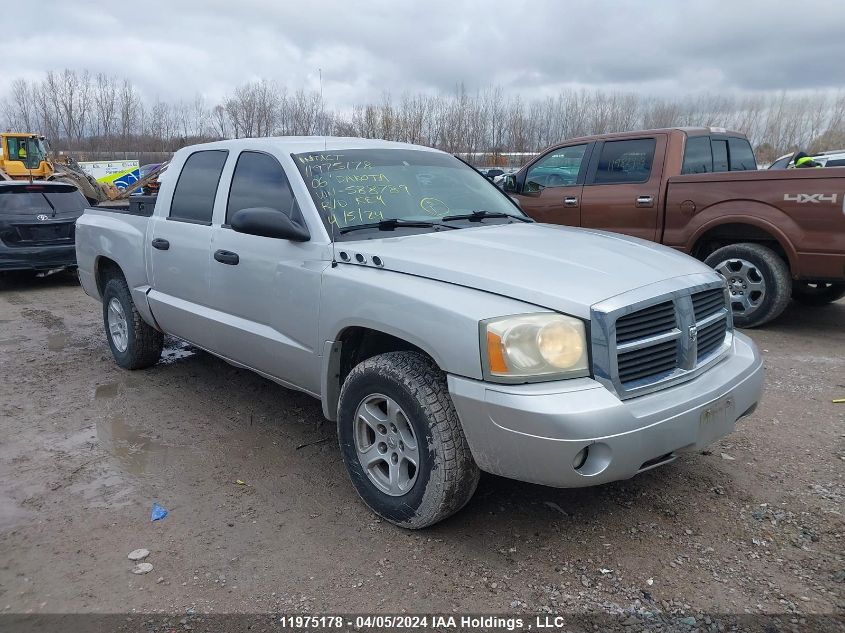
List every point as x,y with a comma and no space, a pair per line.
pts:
648,361
708,302
643,343
646,322
710,337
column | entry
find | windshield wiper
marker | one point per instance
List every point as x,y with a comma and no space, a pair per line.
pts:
390,225
480,214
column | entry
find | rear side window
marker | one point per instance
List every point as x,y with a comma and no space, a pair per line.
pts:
838,162
720,155
698,158
193,200
742,156
260,181
625,161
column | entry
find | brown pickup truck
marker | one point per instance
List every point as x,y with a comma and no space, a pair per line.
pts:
773,234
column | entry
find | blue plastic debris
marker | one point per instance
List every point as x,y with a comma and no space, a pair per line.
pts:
158,513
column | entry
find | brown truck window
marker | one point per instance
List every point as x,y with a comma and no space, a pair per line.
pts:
698,159
741,154
558,168
625,161
260,181
193,200
720,155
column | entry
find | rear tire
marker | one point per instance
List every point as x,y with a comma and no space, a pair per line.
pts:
133,343
758,281
395,409
817,293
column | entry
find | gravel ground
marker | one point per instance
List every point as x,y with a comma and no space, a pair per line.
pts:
754,525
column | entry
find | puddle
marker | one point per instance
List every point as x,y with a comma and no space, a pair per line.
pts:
11,514
173,353
56,341
106,391
138,451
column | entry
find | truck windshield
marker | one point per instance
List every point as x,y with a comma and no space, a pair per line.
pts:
29,150
367,186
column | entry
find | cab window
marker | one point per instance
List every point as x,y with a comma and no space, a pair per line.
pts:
625,161
558,168
741,154
720,155
260,181
193,200
698,159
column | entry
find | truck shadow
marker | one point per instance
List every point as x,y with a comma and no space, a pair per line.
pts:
813,320
24,281
500,507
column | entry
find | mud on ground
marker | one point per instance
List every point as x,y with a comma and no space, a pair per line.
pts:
753,526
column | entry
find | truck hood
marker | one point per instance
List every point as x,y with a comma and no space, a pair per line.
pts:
560,268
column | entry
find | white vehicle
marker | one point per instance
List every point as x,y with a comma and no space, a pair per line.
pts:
833,158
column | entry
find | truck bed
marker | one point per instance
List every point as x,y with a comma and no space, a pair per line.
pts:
803,209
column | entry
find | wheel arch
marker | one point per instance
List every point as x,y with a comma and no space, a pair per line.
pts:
736,229
105,268
353,345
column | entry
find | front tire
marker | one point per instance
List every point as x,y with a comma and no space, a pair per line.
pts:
817,293
133,343
402,441
758,281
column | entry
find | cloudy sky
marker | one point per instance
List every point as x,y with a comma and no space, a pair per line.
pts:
175,49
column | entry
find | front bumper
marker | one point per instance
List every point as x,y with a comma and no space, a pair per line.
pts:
37,257
535,432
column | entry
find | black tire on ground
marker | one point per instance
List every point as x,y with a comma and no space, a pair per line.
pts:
143,343
817,294
446,476
768,267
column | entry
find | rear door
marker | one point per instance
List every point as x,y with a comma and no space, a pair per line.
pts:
622,192
551,187
266,290
180,251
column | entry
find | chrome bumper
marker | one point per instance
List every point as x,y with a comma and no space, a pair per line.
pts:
537,432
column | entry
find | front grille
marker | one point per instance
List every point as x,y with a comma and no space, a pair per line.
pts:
647,322
648,361
711,337
708,302
667,339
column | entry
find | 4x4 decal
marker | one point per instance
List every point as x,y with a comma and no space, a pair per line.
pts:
802,198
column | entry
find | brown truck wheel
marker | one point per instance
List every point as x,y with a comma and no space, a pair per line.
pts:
817,293
758,280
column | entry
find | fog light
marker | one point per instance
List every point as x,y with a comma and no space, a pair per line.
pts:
581,458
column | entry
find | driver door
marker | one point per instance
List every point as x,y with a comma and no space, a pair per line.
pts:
551,191
266,291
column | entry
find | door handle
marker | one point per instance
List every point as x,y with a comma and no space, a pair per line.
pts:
570,201
161,244
227,257
645,201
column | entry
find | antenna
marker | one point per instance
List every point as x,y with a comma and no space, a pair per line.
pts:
322,110
334,259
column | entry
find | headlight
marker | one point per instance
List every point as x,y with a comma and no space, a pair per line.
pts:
543,346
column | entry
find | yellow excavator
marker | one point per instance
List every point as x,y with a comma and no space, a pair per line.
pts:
25,156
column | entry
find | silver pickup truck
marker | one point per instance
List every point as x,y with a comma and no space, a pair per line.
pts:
443,330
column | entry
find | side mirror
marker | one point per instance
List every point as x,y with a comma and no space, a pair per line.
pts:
509,184
267,222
